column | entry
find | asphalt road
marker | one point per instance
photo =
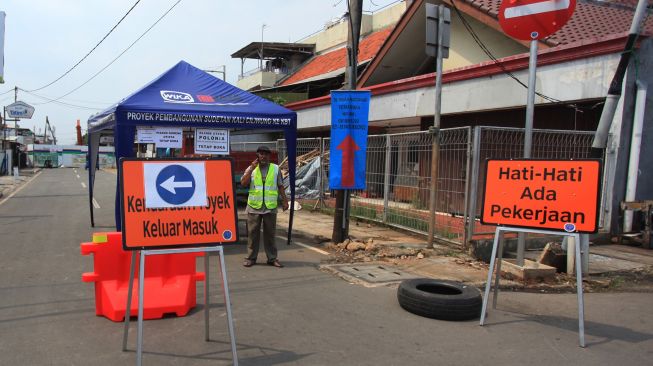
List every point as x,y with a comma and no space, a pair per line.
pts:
295,316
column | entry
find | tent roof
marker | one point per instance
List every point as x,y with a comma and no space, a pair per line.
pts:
187,96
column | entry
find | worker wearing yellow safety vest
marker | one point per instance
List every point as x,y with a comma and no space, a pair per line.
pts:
265,188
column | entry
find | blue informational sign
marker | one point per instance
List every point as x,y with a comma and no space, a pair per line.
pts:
180,184
175,184
349,119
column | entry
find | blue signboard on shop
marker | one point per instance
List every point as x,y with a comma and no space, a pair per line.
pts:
349,120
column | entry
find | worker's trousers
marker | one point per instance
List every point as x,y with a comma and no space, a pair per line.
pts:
254,221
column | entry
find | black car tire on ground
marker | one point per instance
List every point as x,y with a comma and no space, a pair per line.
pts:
444,300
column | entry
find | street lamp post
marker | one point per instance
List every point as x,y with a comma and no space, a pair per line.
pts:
223,71
261,52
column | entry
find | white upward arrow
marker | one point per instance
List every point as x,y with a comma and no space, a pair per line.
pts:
170,185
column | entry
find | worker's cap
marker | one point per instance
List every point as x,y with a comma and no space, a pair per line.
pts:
263,149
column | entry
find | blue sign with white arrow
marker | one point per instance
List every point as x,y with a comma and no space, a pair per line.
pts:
174,185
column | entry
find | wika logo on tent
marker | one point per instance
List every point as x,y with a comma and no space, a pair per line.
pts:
176,97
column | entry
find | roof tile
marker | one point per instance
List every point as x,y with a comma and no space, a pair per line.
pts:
334,60
591,19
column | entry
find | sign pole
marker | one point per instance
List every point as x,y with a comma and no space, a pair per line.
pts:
141,287
528,132
206,296
130,291
227,302
530,102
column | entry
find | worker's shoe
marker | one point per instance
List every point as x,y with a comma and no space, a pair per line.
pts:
248,263
275,263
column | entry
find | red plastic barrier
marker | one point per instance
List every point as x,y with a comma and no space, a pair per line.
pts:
169,280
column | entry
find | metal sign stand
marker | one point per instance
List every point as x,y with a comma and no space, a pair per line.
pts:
498,242
141,287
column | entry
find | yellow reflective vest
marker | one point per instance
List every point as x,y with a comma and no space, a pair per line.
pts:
264,193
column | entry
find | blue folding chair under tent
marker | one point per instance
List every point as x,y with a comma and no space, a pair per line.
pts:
186,96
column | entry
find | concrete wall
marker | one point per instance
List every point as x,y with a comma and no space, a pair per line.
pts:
388,16
407,58
262,79
335,35
465,52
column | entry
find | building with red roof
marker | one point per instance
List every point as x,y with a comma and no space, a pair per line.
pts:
291,74
483,83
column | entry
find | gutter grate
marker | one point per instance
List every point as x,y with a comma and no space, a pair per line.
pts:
376,274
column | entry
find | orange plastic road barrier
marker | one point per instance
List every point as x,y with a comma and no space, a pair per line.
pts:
169,280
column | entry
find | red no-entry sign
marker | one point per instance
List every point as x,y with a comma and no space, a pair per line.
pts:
534,19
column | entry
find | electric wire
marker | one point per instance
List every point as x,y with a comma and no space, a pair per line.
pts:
67,100
489,53
6,98
49,100
117,57
91,51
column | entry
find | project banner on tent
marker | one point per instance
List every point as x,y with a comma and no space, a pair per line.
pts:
177,203
558,195
349,120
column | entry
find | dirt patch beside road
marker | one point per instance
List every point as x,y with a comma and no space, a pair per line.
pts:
443,262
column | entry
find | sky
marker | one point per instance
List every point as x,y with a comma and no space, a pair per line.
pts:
45,38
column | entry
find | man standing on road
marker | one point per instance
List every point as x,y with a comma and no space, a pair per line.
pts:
265,187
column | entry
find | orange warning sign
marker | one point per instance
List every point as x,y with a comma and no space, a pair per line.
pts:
177,203
543,194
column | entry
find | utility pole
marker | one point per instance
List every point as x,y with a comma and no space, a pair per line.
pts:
614,92
438,20
341,215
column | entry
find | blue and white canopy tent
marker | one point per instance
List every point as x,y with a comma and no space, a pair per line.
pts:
186,96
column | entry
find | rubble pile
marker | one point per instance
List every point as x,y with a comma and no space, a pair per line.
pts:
352,251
